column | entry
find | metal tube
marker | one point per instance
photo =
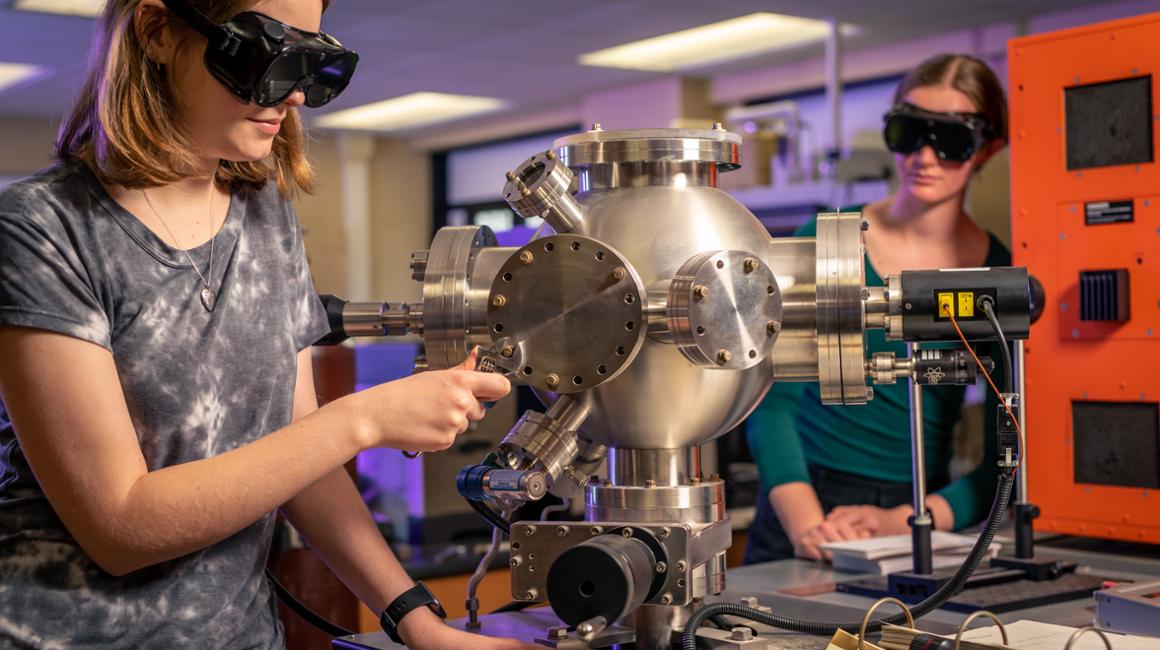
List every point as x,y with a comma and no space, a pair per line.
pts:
921,522
834,83
665,467
1023,509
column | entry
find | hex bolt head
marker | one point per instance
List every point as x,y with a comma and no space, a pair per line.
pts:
553,380
750,265
526,257
619,273
507,352
499,300
701,291
740,634
724,357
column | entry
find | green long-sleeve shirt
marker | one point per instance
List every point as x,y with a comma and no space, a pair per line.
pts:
792,429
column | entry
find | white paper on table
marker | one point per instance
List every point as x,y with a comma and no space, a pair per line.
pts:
1033,635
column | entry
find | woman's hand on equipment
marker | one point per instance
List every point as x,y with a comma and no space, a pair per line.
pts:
426,411
873,520
808,545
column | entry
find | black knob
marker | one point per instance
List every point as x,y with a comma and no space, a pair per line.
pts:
1035,289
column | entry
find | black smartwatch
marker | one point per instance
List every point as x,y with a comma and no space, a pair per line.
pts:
416,596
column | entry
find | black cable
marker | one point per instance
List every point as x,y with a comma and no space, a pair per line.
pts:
490,516
1008,374
307,614
935,600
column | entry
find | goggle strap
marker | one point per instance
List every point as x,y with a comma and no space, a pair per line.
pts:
218,36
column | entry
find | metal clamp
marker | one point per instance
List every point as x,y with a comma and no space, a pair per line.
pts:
981,612
866,618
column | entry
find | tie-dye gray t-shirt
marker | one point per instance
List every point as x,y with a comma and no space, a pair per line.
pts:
197,384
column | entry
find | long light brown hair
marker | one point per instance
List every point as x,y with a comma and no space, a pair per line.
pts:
968,75
121,123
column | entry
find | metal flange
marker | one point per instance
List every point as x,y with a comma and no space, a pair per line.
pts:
724,310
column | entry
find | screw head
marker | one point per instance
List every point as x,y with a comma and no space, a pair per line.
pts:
553,380
772,327
865,225
530,594
650,483
664,533
595,530
724,357
701,291
529,531
717,126
741,634
561,531
627,532
526,257
525,191
666,599
749,265
619,273
550,155
511,176
499,300
681,566
596,127
507,352
662,567
696,480
515,561
557,632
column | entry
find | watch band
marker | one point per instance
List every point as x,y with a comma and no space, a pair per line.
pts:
416,596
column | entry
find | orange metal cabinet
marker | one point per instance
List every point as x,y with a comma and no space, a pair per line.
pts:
1085,185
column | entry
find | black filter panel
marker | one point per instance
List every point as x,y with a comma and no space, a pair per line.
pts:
1109,123
1117,443
1103,296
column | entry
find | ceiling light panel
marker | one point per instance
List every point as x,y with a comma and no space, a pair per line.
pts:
89,8
727,40
14,74
408,112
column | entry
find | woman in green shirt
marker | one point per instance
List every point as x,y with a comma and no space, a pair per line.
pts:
834,473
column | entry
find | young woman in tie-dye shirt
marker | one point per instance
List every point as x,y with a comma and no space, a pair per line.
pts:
146,440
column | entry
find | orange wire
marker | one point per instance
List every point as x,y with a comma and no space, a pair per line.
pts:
1015,420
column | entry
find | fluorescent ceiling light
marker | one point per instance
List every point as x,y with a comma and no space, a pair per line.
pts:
735,38
89,8
14,74
408,112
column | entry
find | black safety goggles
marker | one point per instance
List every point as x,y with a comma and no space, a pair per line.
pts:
952,136
264,61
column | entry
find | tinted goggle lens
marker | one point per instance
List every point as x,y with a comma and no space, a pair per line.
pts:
321,77
950,140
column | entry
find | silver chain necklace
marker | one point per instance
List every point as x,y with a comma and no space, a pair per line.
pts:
208,299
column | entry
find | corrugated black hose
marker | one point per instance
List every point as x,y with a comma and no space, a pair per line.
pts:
943,594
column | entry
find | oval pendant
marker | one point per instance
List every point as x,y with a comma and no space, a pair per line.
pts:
207,299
